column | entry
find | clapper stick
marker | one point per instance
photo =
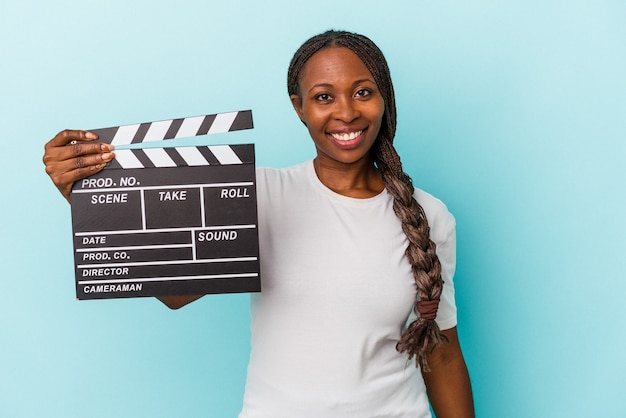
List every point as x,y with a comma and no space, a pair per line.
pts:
163,221
180,156
125,135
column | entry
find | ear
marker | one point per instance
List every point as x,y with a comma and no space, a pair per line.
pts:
296,102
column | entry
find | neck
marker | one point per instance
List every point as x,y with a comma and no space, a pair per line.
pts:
359,180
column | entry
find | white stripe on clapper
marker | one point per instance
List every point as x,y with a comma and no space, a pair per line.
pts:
192,156
222,122
127,159
189,127
125,134
159,157
225,154
157,131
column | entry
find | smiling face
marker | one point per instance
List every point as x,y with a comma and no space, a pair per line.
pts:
341,106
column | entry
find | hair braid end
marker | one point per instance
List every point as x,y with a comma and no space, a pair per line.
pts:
420,339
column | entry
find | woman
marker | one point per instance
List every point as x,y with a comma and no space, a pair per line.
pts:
349,250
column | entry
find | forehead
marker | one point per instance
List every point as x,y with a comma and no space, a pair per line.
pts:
332,66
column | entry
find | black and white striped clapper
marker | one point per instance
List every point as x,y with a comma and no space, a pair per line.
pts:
176,128
164,221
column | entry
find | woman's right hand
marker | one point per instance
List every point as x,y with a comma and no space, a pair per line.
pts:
73,155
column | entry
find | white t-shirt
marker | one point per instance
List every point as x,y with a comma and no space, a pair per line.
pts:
337,292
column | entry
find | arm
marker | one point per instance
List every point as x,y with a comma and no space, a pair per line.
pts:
448,383
177,302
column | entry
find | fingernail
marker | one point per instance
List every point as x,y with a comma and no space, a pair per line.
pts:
107,156
107,147
91,135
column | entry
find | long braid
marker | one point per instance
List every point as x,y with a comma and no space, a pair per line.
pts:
422,335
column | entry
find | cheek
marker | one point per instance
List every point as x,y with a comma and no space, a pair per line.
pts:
376,108
313,119
382,109
378,114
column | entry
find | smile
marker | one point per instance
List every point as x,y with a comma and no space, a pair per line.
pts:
346,136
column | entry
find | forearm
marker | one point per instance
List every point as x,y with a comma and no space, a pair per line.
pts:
176,302
448,382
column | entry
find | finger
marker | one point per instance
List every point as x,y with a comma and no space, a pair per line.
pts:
84,162
64,173
86,148
65,181
67,136
81,151
90,160
80,172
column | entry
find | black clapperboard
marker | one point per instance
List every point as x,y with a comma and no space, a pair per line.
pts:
164,221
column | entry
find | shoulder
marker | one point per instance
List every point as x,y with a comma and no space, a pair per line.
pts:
441,221
272,174
269,178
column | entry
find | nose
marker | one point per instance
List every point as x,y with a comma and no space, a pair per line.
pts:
345,110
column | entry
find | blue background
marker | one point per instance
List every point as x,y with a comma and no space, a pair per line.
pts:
513,113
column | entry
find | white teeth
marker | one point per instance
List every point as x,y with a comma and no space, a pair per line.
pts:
346,137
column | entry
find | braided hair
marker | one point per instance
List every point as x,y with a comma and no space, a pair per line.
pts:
422,335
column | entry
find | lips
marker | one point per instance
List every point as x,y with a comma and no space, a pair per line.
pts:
347,140
346,136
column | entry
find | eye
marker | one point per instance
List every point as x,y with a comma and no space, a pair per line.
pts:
323,97
363,93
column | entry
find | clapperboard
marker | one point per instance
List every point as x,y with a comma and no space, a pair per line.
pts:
163,221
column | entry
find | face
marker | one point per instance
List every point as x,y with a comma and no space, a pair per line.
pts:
341,106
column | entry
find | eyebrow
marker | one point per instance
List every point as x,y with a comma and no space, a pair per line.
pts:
356,82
